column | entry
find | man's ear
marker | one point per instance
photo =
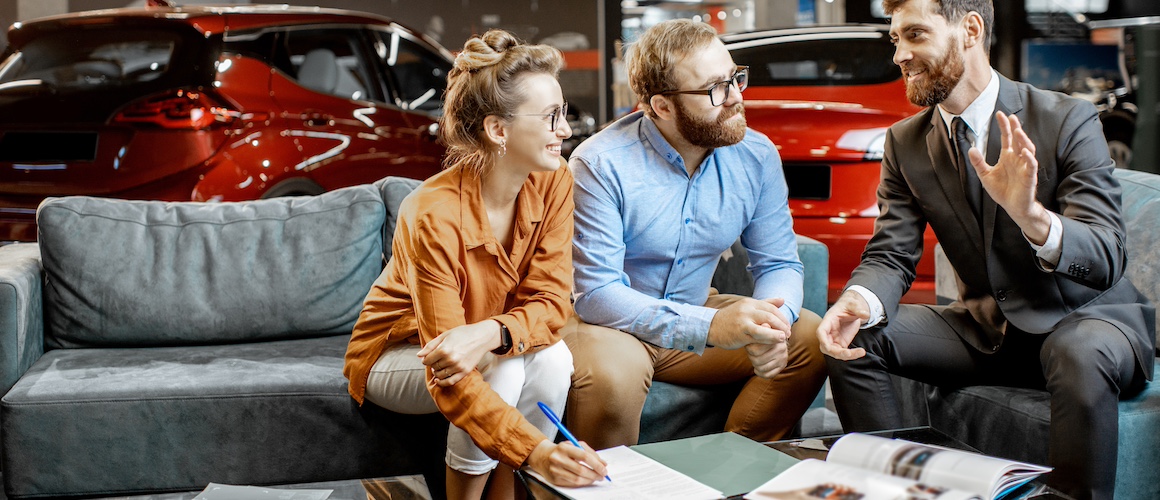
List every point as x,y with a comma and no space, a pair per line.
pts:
495,130
975,30
662,106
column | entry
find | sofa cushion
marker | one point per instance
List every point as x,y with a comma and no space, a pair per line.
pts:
141,273
393,190
117,421
1141,210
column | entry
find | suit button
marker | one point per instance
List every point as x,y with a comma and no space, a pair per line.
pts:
1001,295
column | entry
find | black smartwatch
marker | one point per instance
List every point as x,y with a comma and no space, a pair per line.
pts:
505,336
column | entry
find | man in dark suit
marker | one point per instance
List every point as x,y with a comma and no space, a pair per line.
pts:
1017,184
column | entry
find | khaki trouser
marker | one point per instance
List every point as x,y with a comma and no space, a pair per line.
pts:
613,372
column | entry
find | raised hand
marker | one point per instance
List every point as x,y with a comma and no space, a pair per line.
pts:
841,324
1012,180
749,321
456,352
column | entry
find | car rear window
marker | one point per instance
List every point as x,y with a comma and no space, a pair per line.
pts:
847,61
93,58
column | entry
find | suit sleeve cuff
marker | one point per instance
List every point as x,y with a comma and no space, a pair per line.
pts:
1052,249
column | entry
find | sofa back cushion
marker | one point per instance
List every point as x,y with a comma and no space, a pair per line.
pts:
1141,210
142,273
393,190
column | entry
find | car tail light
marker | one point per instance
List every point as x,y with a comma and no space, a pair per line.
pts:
176,109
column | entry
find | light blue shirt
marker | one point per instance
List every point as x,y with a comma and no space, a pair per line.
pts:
649,236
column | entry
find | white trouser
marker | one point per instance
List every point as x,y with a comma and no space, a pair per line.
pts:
398,383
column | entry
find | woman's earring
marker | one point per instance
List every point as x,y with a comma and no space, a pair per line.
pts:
502,148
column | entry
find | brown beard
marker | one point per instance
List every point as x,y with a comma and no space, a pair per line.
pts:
711,134
941,78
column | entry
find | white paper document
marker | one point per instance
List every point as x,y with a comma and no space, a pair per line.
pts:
637,477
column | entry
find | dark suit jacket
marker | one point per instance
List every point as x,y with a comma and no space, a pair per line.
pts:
1001,281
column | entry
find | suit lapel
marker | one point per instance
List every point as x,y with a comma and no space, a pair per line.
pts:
1009,103
942,161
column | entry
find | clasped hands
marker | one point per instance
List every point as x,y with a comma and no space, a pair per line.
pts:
456,352
760,327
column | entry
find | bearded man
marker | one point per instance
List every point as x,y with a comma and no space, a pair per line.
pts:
1017,184
660,194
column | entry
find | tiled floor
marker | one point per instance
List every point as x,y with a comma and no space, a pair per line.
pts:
821,421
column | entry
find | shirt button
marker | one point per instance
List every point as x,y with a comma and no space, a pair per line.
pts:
691,348
1001,295
680,261
520,347
688,220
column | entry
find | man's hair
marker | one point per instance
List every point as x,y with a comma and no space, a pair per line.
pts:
954,10
650,61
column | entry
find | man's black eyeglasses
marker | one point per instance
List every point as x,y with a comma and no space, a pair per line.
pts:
719,92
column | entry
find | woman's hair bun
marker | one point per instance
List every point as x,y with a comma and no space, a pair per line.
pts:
483,51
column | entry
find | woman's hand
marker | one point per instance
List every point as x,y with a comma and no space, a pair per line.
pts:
454,353
563,464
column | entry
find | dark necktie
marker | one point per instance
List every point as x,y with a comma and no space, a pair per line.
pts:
963,140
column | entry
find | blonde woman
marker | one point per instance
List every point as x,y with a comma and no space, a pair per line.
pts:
480,279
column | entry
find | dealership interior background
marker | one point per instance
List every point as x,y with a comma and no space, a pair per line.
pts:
828,117
591,32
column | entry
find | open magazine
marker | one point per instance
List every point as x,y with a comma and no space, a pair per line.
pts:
864,467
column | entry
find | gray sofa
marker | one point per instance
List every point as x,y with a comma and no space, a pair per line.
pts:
187,343
149,346
1012,422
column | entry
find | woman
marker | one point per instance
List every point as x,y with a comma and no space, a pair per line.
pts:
482,264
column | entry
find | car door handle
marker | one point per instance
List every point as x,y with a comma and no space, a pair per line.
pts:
318,120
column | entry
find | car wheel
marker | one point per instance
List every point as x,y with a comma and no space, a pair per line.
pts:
1121,153
298,186
1118,129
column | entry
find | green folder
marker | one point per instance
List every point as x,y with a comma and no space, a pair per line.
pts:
728,462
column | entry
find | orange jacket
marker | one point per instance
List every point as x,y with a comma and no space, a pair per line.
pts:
449,270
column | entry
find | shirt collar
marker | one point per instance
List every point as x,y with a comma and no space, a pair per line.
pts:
652,135
978,113
473,213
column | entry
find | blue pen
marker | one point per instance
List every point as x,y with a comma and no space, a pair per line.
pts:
560,425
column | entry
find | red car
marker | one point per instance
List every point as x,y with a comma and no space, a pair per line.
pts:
825,96
212,104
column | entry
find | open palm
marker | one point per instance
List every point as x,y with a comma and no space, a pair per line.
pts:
1011,181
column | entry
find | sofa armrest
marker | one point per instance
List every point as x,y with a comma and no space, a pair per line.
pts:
732,276
815,257
21,311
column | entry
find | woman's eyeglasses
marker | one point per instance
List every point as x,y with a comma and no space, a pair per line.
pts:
719,92
553,117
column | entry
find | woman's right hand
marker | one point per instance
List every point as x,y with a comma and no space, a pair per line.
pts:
563,464
456,352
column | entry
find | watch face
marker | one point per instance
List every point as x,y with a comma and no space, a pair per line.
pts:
505,342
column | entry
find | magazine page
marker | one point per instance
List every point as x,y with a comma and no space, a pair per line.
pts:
814,479
986,476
